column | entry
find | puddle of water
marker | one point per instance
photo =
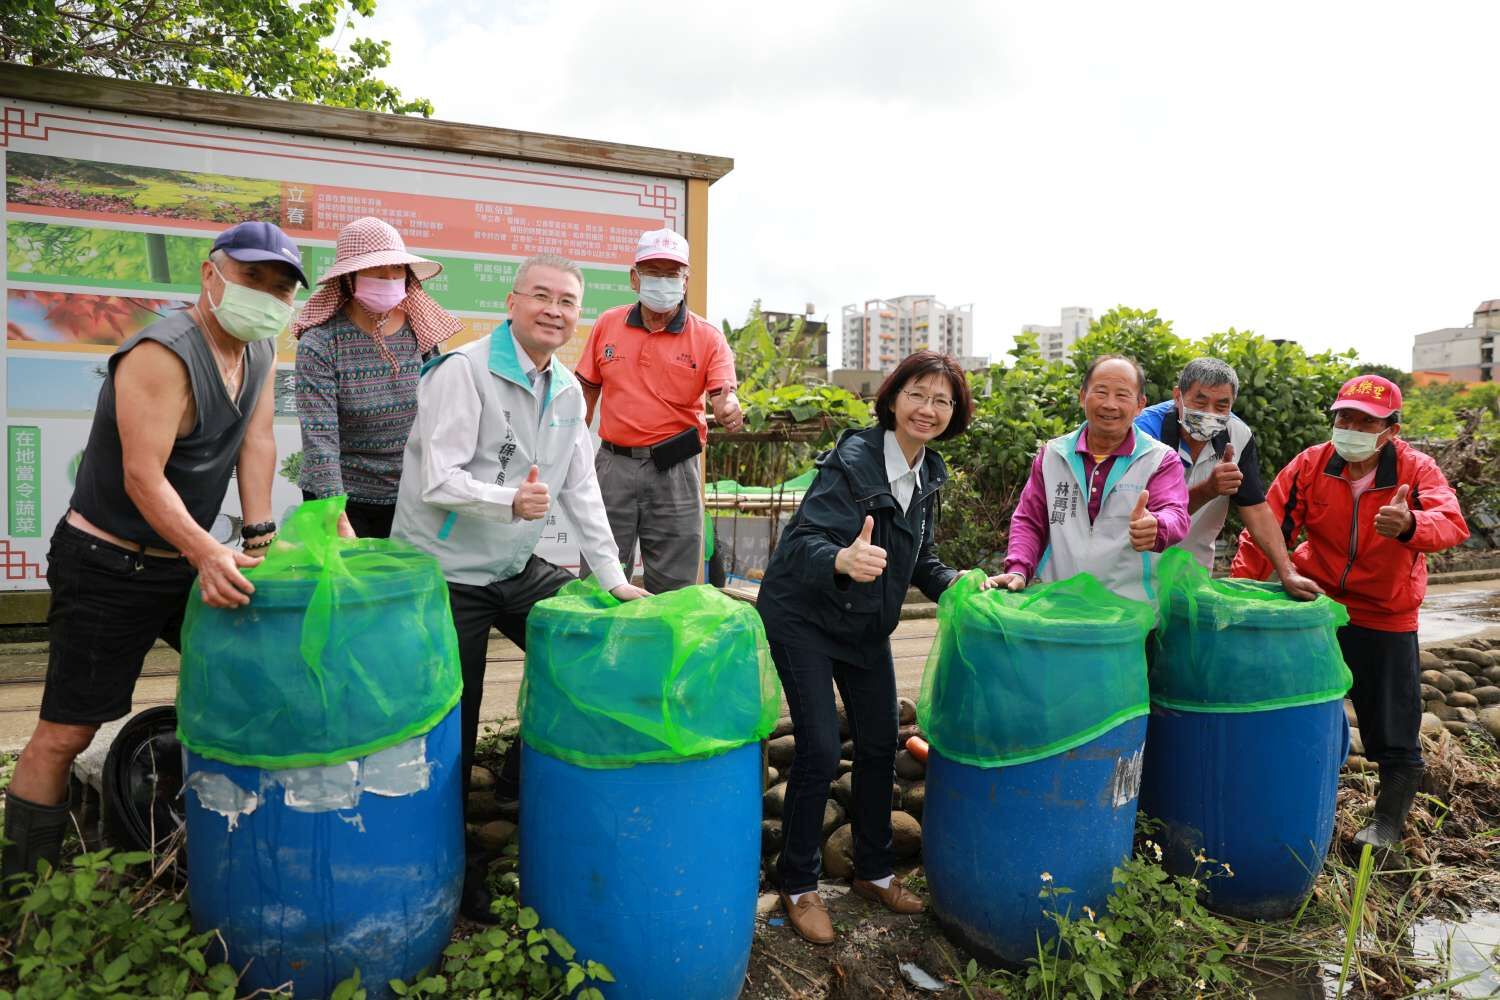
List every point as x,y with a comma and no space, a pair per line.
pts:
1473,945
1445,617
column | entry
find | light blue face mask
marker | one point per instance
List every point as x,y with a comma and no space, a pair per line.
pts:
1355,446
661,294
249,314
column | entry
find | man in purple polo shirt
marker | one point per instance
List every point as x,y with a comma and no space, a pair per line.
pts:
1102,497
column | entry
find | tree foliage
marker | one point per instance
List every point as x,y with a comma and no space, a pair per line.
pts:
283,49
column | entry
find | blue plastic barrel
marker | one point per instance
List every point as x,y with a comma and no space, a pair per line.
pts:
1254,789
310,873
990,833
652,870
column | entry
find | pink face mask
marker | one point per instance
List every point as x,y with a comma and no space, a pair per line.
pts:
379,295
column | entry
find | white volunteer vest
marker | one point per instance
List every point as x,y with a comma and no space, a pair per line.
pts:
1208,521
1103,547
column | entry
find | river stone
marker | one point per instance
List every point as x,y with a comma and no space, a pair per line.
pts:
780,751
846,750
1462,699
838,853
907,732
1429,660
1466,667
1359,765
833,817
1437,679
845,766
495,834
481,806
773,776
767,904
771,836
1461,681
481,778
1349,712
1477,657
783,728
1491,674
843,722
843,791
1456,728
906,835
1488,695
1466,715
1489,718
1444,712
914,798
1356,745
1430,693
1431,723
909,767
906,711
774,800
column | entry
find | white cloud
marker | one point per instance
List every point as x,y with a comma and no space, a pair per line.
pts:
1322,172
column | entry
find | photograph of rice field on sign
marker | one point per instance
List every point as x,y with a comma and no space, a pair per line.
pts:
40,319
56,182
81,255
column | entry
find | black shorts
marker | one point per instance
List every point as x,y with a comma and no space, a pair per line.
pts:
109,605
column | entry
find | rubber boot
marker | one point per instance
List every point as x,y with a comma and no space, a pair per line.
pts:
35,834
1398,788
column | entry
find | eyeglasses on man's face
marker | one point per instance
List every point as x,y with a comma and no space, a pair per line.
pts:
545,300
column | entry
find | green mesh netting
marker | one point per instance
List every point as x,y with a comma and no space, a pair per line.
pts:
346,647
681,675
1020,676
1240,645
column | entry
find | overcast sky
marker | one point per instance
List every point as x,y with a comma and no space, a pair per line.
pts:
1326,172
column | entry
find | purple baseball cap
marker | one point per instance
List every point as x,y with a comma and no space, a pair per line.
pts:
256,241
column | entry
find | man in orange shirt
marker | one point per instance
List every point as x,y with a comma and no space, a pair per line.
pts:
651,364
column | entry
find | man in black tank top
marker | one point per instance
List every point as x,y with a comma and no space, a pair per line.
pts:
187,403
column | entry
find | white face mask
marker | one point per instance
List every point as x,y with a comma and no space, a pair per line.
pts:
1355,446
1201,425
661,294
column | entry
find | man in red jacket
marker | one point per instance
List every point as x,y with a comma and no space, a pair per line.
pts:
1372,507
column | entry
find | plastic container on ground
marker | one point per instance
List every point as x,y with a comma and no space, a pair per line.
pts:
309,873
990,834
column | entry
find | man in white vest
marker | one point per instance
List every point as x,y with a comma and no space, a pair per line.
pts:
1222,464
500,429
1101,499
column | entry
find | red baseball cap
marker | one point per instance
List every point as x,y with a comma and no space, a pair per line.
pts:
1373,394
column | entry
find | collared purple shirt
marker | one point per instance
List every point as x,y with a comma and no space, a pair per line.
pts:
1030,529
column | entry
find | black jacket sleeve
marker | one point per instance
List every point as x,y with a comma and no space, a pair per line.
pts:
828,519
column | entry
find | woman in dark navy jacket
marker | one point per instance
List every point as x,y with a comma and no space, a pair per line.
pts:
830,600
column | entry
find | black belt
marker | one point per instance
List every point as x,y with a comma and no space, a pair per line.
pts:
620,449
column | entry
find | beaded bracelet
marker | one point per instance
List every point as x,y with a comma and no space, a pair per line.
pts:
256,530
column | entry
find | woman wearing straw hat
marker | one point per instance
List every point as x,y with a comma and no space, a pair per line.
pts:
361,341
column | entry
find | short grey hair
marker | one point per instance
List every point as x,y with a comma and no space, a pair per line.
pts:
556,260
1209,372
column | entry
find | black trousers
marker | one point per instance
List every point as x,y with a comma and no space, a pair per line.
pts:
369,520
503,604
869,693
1387,693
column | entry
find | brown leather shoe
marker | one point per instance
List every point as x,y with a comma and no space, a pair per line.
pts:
894,897
809,918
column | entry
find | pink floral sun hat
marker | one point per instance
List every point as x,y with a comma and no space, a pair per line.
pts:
372,242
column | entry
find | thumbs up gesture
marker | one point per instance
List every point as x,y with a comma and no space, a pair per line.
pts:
1142,525
1395,518
1226,477
861,559
532,499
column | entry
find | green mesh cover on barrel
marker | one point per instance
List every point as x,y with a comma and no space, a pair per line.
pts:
346,647
1020,676
1241,645
681,675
